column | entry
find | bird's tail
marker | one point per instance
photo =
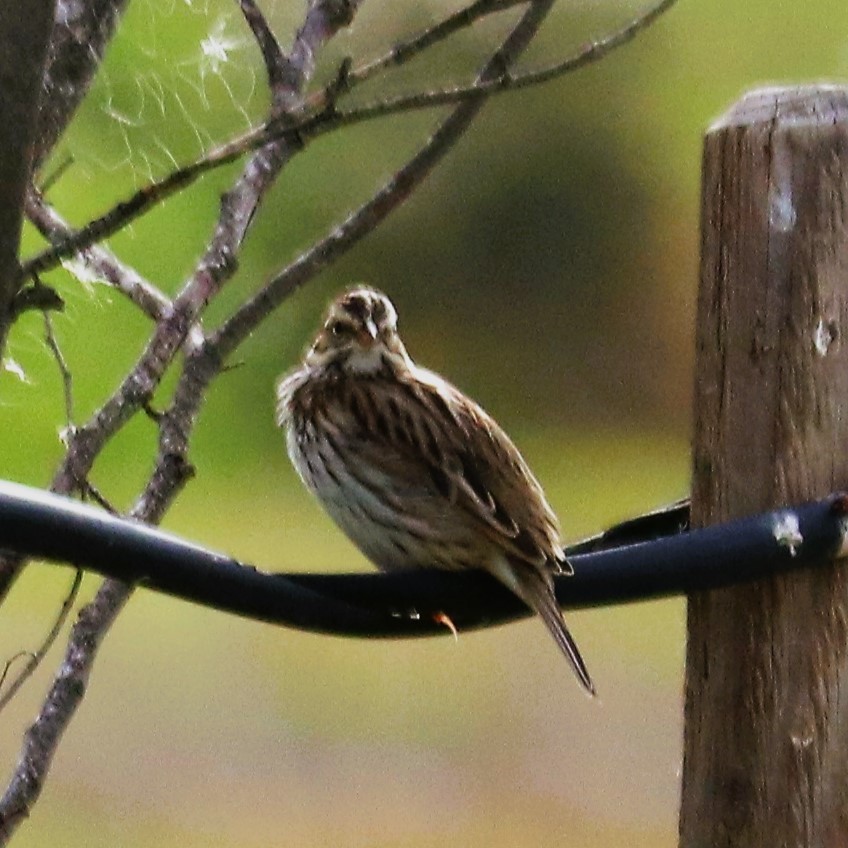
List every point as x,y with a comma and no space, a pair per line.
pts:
535,588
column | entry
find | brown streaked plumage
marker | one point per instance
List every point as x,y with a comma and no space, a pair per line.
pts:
413,471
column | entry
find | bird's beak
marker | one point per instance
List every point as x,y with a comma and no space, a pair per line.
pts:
368,337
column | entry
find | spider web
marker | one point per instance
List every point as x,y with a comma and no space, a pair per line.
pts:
178,76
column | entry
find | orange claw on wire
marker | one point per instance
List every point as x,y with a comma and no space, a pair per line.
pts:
443,618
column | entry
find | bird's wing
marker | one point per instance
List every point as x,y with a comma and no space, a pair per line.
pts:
466,456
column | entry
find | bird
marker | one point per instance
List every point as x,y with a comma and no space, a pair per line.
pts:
412,470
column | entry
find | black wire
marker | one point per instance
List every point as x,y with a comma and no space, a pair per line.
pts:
38,524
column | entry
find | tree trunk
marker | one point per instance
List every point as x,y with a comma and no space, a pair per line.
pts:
24,32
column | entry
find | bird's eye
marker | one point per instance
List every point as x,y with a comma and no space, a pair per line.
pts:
339,329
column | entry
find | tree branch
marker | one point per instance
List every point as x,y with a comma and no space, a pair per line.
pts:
34,659
506,81
318,115
99,262
406,50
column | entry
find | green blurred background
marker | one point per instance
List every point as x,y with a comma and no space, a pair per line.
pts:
548,268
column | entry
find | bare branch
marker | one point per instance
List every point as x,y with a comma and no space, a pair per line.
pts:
403,51
324,19
281,74
365,219
100,262
216,266
507,81
48,180
10,662
76,241
295,133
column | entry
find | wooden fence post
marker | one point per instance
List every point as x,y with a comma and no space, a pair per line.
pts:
766,717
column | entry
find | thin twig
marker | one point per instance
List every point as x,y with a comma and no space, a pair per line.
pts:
123,213
10,662
245,320
35,658
90,492
64,371
403,51
50,179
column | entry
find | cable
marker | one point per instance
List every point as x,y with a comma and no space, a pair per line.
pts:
38,524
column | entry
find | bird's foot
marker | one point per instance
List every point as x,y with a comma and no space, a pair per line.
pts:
444,618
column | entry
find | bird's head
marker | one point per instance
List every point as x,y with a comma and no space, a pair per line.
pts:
359,334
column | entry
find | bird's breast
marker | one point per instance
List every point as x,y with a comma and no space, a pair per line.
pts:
395,522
